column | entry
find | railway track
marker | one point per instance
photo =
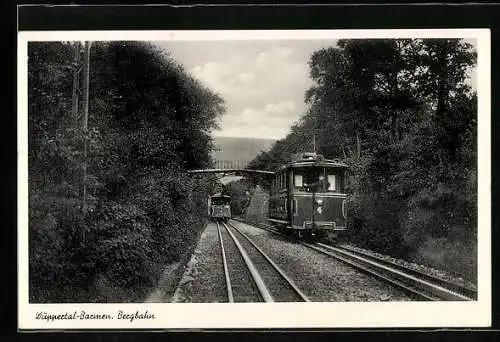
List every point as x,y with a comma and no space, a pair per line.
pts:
250,275
465,292
419,285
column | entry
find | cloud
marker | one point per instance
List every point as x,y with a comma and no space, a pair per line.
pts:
214,74
273,120
264,84
267,59
262,81
246,78
280,108
262,60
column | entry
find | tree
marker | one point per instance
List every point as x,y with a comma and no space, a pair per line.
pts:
240,195
149,123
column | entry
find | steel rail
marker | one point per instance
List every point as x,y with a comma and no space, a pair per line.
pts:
468,292
229,288
424,289
435,290
375,273
263,290
350,263
274,265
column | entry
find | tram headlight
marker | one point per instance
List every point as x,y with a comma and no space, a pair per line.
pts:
319,209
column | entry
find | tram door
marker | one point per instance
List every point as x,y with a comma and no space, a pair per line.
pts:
290,200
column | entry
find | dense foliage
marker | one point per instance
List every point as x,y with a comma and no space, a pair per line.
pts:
240,192
149,121
401,113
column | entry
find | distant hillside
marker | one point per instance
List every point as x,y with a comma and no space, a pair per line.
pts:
239,150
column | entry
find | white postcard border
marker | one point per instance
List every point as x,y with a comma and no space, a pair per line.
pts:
268,315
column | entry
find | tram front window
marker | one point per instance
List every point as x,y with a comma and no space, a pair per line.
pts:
305,177
219,201
312,175
319,179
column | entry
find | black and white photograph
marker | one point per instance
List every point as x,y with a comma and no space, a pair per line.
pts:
254,179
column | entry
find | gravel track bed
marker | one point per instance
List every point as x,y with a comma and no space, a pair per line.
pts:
417,267
279,288
321,278
244,288
414,266
203,280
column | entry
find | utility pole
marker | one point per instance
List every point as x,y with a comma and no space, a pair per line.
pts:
76,82
314,142
86,65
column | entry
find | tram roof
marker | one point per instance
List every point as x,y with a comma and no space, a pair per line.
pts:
312,159
219,194
326,163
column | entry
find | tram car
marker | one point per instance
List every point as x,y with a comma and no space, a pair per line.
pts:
308,198
220,207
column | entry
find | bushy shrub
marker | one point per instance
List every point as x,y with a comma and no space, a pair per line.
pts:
257,211
55,233
374,224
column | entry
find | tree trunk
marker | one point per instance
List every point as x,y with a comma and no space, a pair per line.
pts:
358,145
396,105
395,125
442,117
85,104
350,151
442,86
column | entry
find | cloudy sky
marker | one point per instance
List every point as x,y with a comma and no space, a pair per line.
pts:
262,82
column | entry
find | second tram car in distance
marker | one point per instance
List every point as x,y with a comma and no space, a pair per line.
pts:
220,207
308,198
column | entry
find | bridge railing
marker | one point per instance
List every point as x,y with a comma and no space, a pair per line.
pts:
231,164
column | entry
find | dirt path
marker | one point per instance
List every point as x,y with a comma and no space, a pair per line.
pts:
203,278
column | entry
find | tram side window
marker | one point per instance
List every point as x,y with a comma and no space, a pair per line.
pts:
298,181
331,182
281,184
